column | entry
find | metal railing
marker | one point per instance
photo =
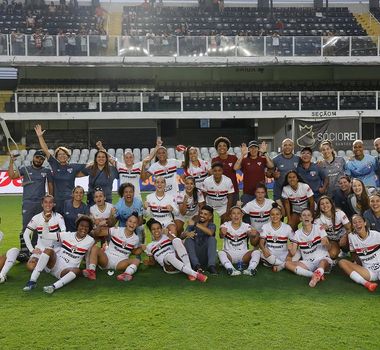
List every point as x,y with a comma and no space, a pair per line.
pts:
70,44
79,101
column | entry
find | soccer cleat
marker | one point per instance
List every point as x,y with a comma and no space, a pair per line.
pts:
371,286
212,269
29,286
124,277
317,276
23,257
201,277
90,274
250,272
191,278
2,278
49,289
233,272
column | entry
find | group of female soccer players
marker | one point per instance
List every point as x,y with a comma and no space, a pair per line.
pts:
316,237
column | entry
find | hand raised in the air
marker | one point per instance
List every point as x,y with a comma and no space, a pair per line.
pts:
99,145
244,149
263,147
38,130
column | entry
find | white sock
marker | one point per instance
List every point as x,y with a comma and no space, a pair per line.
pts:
10,261
303,272
255,259
131,269
321,270
70,276
92,267
181,251
224,260
355,276
41,264
179,265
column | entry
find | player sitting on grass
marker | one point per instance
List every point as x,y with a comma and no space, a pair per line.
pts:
7,261
55,224
169,252
122,242
236,236
313,243
274,240
64,262
364,244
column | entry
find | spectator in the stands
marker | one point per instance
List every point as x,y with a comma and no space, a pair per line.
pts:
48,44
62,42
275,43
83,41
279,26
37,38
52,9
71,43
18,43
30,20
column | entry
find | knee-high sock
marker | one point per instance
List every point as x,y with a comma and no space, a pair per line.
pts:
181,251
273,260
10,261
41,264
255,259
70,276
223,258
131,269
303,272
179,265
355,276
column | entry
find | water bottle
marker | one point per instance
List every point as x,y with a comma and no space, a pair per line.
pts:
240,266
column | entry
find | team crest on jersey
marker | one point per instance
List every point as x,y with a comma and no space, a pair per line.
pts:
42,174
274,239
74,248
124,244
310,244
259,163
295,164
365,251
70,170
313,173
230,165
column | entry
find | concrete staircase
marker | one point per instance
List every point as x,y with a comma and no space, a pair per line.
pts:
369,23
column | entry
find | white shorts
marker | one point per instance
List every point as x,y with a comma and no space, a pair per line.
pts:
280,257
37,256
59,266
312,265
374,273
185,218
113,261
236,255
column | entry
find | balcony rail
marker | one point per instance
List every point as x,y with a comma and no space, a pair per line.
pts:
17,44
79,101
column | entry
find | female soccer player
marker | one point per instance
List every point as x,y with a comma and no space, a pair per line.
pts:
164,167
274,238
169,252
193,166
55,222
236,234
102,212
123,242
101,174
336,225
372,215
64,262
313,243
259,208
189,201
74,207
332,165
364,244
358,200
7,261
63,172
161,205
297,195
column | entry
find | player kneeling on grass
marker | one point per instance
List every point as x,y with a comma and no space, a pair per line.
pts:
169,252
274,238
122,242
64,262
313,243
7,261
236,234
364,244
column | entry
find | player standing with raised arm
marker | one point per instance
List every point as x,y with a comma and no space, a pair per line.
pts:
195,167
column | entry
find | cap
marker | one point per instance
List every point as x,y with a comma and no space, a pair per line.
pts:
39,153
253,144
307,149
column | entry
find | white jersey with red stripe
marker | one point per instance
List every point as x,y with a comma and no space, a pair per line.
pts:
56,224
157,206
339,230
259,214
72,249
192,208
236,238
169,172
199,173
159,249
131,175
277,239
217,193
298,198
121,246
96,213
367,249
310,245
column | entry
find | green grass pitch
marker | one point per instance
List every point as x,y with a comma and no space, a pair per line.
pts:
160,311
